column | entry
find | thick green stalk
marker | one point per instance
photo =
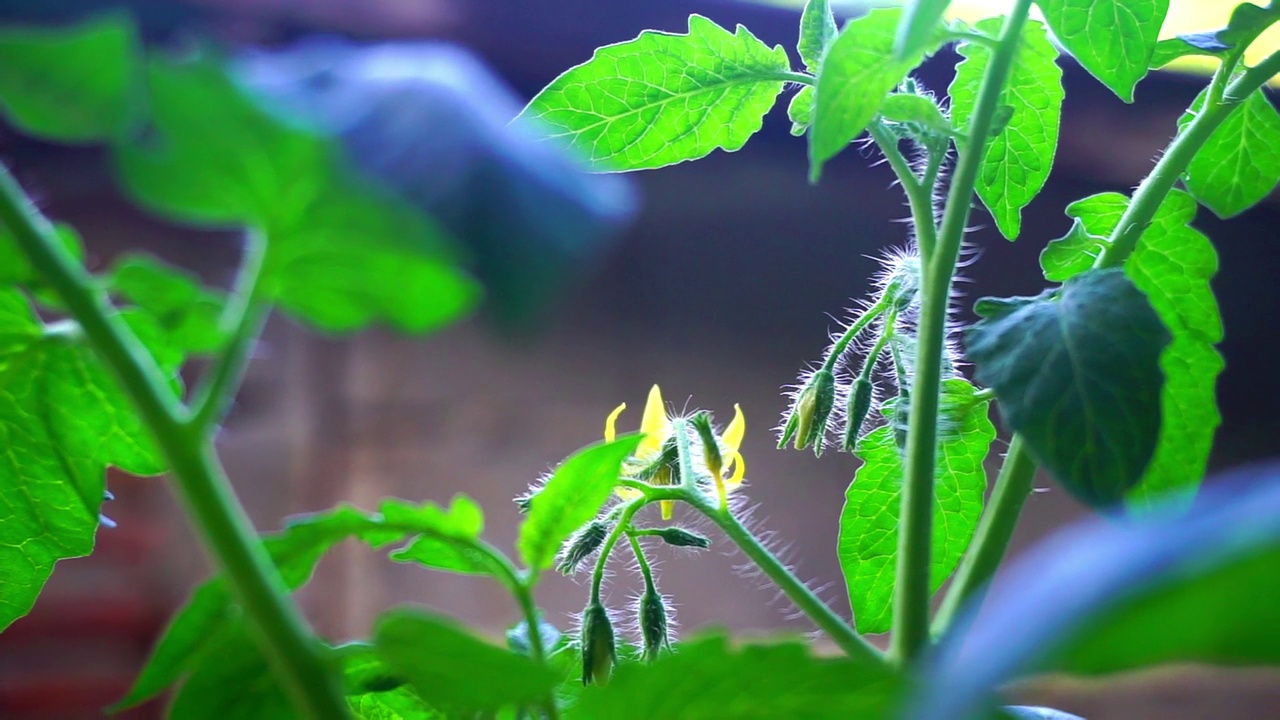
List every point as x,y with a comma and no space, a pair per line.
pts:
1155,188
911,596
919,191
853,330
991,539
293,651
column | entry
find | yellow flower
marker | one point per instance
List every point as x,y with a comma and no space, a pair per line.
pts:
655,460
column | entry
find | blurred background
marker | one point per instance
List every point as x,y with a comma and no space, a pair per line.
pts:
722,288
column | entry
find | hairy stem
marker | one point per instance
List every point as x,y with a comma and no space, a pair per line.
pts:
919,191
912,590
624,522
991,539
859,324
293,651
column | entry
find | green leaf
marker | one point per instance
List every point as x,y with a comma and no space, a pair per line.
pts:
1016,162
1112,39
333,240
1247,22
295,550
454,670
916,109
919,26
232,680
856,76
188,312
374,691
573,495
1177,588
1239,164
15,269
1172,264
817,32
800,111
1077,374
662,99
709,679
868,543
63,421
71,85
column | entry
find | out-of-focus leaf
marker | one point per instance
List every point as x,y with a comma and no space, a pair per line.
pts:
1024,712
15,269
188,312
919,26
232,680
817,32
374,691
1112,39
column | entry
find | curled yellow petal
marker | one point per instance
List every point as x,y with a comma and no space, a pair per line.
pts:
627,493
667,505
611,423
739,470
732,437
655,425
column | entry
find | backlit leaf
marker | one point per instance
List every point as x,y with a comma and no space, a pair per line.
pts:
1239,164
1112,39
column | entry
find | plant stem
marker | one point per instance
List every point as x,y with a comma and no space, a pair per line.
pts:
1155,188
853,644
624,522
919,194
912,590
242,321
857,327
991,540
521,586
643,562
293,651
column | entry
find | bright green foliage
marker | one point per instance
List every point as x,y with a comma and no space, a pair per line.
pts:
15,269
915,109
800,111
1247,22
1112,39
1172,265
188,312
232,680
817,32
76,85
454,670
573,495
333,240
709,680
1077,373
63,420
662,99
374,692
1017,161
868,544
857,75
919,26
295,551
1240,163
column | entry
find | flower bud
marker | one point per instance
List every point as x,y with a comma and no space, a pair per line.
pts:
710,445
581,544
598,650
859,406
812,410
653,624
680,537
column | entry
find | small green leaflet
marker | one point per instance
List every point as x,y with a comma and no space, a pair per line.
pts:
800,111
662,99
75,85
709,678
1017,161
868,544
15,269
1247,22
374,691
916,109
333,239
63,420
1239,164
295,551
1172,264
189,313
856,76
1112,39
1077,373
817,32
573,495
454,670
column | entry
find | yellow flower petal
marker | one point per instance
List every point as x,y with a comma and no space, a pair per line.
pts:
667,505
655,425
739,470
611,423
732,437
627,493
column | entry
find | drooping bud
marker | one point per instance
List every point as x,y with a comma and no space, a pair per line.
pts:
680,537
581,545
710,445
859,406
813,409
599,653
653,624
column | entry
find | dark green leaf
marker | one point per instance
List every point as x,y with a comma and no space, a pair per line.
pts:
661,98
63,420
333,239
1016,162
707,679
573,495
800,111
817,32
1077,373
71,85
919,26
868,543
1178,588
858,73
1112,39
455,671
188,312
1239,164
232,680
1172,265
